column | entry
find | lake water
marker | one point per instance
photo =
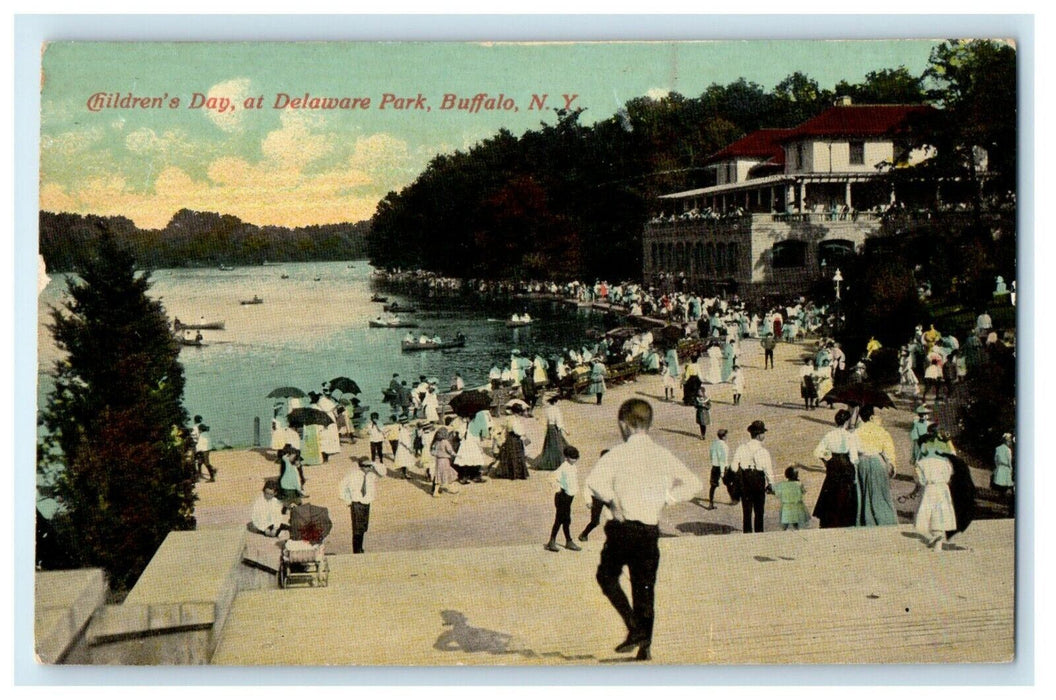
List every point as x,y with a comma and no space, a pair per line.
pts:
308,331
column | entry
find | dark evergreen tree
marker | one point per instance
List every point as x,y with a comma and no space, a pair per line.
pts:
114,453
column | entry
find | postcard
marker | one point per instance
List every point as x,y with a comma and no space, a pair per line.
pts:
426,354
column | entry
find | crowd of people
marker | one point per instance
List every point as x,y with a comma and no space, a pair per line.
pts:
425,440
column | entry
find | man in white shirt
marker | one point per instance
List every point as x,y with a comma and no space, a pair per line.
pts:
357,490
636,479
757,476
267,518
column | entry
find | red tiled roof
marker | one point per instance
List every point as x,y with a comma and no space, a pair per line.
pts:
856,120
764,144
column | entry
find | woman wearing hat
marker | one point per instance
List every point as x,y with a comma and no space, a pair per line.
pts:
876,466
838,504
553,453
443,472
1002,478
512,462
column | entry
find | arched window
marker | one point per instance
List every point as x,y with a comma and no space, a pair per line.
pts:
789,254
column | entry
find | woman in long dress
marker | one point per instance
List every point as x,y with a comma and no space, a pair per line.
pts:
703,405
278,429
512,462
837,504
714,372
876,466
311,444
935,516
690,382
729,355
404,457
431,406
443,473
330,440
470,459
553,453
291,478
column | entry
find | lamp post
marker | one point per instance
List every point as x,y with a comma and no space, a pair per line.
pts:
837,278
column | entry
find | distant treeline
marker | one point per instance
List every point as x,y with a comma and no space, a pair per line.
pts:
568,200
198,239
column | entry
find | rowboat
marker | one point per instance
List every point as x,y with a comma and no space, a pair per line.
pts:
254,300
377,297
187,342
390,324
415,346
210,326
394,307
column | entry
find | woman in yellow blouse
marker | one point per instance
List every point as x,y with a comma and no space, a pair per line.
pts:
876,466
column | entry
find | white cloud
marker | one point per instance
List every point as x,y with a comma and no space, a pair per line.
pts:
236,90
657,93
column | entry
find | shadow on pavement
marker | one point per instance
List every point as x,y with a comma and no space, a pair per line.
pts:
469,640
702,528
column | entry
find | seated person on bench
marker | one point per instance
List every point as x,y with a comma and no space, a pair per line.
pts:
268,512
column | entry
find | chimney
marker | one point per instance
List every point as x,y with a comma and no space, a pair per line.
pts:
842,101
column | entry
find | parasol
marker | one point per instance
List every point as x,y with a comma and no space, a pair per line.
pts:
859,394
469,403
300,417
310,523
287,392
517,402
962,492
344,385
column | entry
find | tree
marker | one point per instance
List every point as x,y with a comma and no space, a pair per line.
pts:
113,452
885,86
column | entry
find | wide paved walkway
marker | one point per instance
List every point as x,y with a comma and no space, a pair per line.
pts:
817,596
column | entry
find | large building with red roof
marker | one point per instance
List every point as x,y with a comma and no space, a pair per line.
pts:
786,203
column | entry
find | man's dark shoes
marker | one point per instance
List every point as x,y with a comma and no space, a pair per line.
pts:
643,652
582,538
629,644
573,546
551,547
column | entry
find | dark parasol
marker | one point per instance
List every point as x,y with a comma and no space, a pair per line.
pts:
300,417
287,392
859,394
344,385
469,403
962,491
310,523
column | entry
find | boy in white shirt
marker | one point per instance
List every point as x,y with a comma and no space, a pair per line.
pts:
565,480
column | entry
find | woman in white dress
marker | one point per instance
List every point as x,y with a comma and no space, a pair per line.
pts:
935,516
470,459
278,428
713,374
404,457
431,406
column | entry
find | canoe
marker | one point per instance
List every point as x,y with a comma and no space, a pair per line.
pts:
401,324
416,346
396,308
249,302
191,343
211,326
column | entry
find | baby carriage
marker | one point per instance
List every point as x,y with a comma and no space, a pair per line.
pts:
303,560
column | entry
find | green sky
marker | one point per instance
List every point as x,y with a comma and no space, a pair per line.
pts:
298,167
